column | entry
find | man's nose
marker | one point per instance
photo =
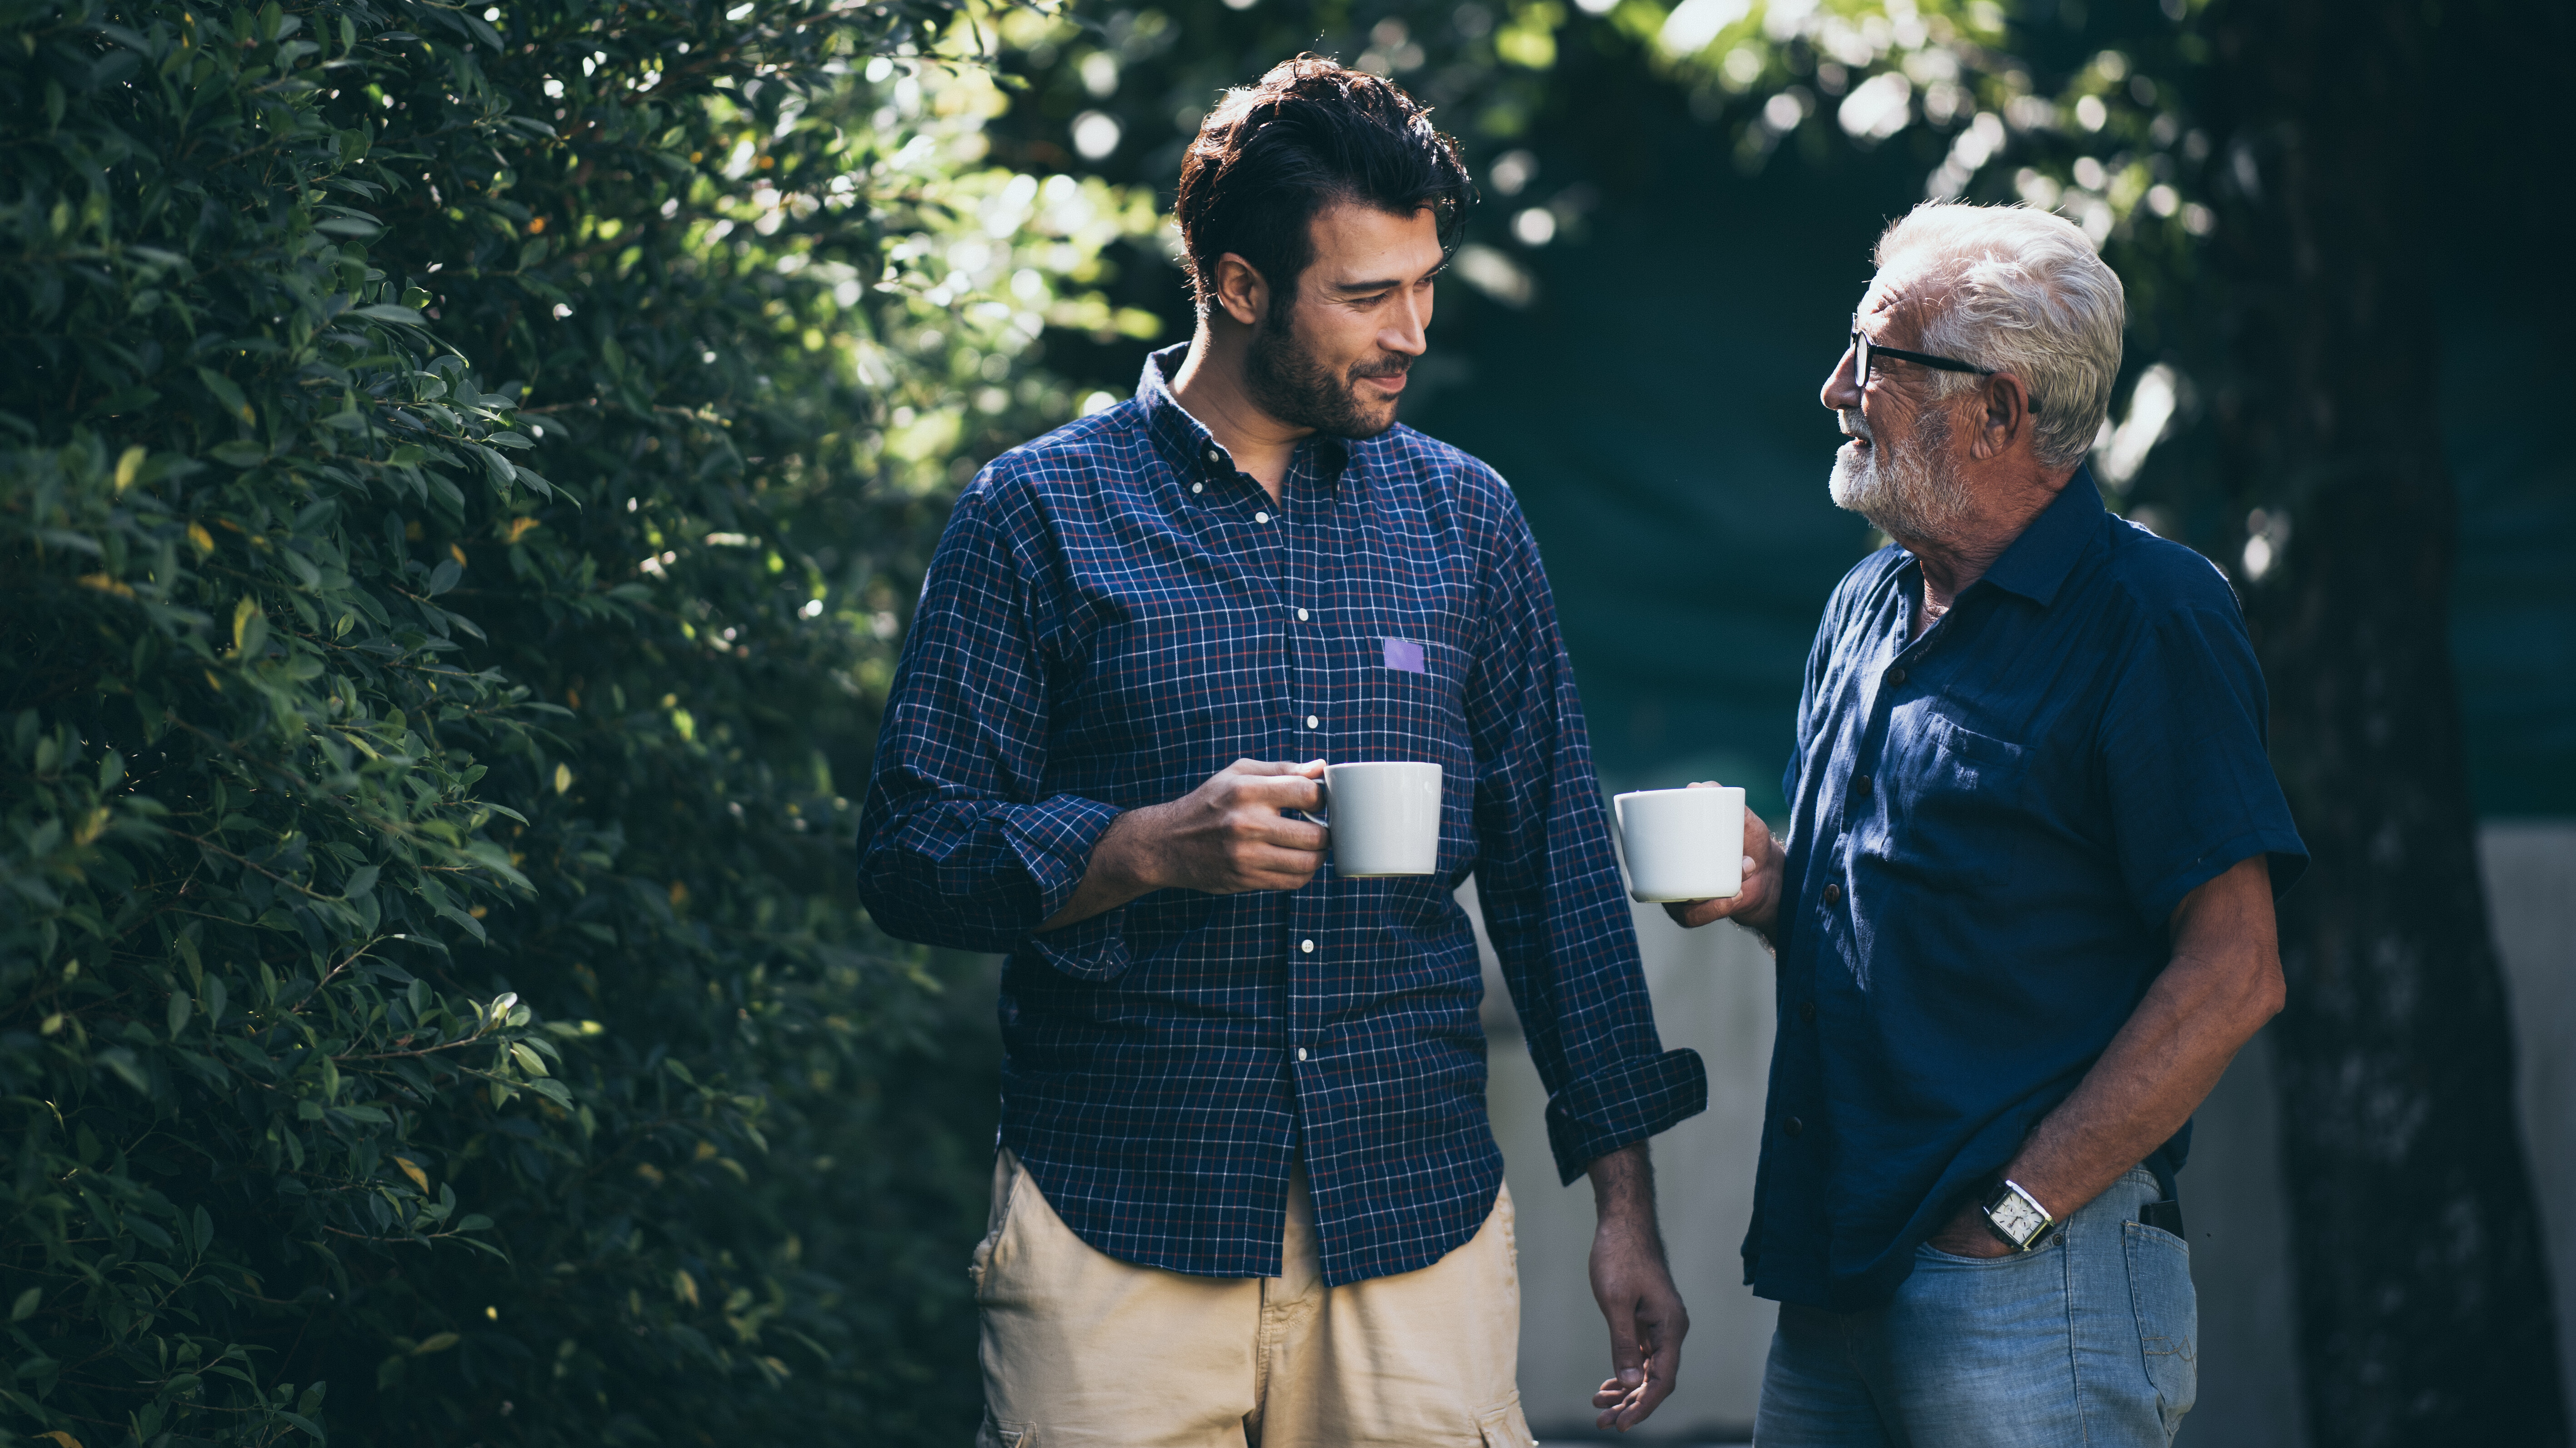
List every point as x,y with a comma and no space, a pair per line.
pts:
1842,390
1404,330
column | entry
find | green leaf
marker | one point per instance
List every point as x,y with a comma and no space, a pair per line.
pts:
228,394
25,1306
250,628
180,1009
127,1069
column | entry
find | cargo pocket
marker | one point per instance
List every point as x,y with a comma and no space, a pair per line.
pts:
1502,1426
2168,1313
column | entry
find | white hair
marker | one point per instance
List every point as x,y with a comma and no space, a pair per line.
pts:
2021,291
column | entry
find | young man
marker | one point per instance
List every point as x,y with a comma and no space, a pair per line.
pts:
1246,1190
2024,912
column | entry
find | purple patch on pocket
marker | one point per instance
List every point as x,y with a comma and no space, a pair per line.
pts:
1403,654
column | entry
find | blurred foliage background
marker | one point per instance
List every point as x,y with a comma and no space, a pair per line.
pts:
464,472
462,469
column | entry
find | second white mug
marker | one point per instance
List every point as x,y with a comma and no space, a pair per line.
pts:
1682,844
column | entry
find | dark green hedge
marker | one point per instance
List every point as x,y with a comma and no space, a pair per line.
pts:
462,471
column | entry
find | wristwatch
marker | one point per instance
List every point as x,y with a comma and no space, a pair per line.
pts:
2016,1216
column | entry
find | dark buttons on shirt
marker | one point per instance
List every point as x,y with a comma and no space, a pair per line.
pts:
1806,1010
1896,677
1793,1126
1833,893
1862,786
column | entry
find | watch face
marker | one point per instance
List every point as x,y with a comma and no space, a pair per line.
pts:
2016,1219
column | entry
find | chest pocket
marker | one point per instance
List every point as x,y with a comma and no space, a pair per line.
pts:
1401,694
1958,808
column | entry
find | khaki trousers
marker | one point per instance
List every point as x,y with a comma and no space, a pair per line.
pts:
1080,1348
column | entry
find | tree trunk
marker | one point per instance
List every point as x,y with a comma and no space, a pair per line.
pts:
2423,1294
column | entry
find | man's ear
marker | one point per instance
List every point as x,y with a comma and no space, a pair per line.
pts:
1241,291
2004,416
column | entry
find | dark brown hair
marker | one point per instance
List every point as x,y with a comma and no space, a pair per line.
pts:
1311,133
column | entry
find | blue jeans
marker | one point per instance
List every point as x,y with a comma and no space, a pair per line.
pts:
2088,1340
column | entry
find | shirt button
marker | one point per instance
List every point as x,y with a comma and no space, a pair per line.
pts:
1312,721
1301,1053
1301,615
1806,1010
1198,487
1792,1126
1307,946
1214,456
1833,893
1261,517
1862,786
1896,677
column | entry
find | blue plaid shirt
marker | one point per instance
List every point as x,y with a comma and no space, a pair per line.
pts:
1116,613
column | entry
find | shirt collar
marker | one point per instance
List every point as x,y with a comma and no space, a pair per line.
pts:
2037,562
1190,448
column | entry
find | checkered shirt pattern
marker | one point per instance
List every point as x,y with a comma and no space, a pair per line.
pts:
1114,614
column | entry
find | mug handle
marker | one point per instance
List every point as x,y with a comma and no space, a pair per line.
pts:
1322,814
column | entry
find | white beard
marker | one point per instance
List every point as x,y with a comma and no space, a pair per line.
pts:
1914,496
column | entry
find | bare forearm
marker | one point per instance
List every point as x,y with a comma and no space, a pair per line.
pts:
2156,1073
2224,982
1623,1191
1118,872
1635,1289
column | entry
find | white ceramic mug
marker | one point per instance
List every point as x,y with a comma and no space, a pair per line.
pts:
1682,844
1384,817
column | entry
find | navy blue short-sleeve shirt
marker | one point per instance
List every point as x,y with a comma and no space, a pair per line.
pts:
1990,827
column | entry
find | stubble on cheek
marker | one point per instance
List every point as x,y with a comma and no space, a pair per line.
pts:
1292,385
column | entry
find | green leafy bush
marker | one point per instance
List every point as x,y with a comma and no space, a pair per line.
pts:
462,473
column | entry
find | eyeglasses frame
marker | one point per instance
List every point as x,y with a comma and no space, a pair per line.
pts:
1862,347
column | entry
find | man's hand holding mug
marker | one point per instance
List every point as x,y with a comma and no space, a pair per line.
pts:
1757,905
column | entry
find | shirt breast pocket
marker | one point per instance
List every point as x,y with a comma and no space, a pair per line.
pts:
1401,696
1957,807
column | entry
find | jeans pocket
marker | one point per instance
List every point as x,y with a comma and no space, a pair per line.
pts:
2168,1313
1934,1256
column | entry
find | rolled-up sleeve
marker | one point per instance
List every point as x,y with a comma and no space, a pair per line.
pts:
1554,904
957,845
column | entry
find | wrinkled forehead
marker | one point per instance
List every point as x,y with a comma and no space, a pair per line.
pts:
1905,294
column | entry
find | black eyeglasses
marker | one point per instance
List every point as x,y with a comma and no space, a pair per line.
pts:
1862,348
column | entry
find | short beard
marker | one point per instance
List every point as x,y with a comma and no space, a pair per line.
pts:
1914,497
1289,384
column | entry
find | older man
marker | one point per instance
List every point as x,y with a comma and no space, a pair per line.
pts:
2024,909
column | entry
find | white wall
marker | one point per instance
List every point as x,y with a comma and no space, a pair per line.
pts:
2530,871
1712,991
